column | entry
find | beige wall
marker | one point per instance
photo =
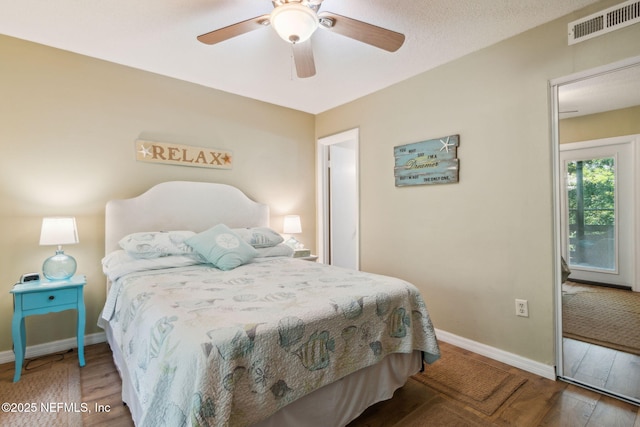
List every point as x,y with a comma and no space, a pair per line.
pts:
603,125
475,246
68,128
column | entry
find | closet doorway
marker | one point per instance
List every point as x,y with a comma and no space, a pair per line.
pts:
596,149
338,200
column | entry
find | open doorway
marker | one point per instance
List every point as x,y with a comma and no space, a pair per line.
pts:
338,200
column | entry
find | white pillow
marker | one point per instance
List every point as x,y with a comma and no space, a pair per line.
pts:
278,250
259,237
154,244
118,263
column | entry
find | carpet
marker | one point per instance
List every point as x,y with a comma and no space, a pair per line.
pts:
479,385
602,316
49,397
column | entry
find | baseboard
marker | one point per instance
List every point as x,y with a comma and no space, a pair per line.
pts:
511,359
53,347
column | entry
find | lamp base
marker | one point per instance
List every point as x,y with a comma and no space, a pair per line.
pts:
59,267
294,243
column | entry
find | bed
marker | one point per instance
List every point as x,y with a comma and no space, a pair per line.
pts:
205,334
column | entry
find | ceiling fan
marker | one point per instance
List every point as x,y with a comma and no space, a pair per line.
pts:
296,20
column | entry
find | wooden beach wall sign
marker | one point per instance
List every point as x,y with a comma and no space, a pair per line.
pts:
182,155
427,162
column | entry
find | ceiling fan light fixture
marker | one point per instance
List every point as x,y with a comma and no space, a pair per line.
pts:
294,22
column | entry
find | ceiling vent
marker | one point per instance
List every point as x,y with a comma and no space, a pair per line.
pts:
605,21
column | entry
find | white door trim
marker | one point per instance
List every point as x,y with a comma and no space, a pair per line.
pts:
322,194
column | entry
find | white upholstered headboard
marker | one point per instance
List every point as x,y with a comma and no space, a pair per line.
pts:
181,205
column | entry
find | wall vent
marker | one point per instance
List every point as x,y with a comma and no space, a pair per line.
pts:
605,21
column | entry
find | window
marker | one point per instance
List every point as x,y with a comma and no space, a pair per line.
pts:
591,204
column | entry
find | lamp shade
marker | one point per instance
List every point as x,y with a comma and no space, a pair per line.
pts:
59,231
292,224
294,22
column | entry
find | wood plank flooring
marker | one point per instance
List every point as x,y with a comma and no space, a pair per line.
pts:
539,402
602,367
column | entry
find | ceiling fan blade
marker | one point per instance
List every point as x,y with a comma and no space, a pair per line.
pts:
361,31
222,34
303,58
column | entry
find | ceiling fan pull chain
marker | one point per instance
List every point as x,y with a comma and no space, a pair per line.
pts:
292,64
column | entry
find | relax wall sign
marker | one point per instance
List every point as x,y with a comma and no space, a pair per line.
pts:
427,162
183,155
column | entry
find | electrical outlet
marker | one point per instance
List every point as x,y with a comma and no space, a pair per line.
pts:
522,308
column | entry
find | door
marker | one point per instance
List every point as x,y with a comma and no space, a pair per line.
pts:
343,205
597,206
599,101
338,200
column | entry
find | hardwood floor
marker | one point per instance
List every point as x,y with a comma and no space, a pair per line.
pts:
602,367
539,402
99,379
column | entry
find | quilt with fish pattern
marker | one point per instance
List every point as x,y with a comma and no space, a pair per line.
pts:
206,347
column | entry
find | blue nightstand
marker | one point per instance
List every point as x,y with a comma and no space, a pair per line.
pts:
41,297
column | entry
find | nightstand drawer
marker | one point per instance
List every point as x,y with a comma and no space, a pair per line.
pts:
49,299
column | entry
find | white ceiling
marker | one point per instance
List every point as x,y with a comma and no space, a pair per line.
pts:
160,36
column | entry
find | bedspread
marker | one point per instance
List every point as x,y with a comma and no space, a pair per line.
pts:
212,348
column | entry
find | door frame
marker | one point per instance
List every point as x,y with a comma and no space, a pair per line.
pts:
322,190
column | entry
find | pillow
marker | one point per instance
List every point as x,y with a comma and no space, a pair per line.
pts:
278,250
118,263
259,237
154,244
222,247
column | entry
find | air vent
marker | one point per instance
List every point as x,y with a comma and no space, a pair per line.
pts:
603,22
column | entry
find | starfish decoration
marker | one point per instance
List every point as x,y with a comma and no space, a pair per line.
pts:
446,144
145,151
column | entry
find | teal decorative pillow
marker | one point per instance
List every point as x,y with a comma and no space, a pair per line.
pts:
222,247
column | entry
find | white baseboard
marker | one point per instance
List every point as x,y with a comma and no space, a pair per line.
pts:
53,347
511,359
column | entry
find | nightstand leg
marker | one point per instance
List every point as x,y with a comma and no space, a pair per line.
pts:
23,336
80,332
19,343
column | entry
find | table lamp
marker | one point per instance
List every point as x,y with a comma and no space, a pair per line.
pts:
292,226
59,231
